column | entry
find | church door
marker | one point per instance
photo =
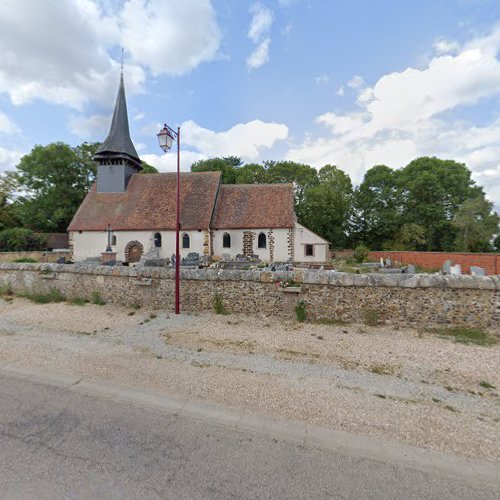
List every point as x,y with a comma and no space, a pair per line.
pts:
134,253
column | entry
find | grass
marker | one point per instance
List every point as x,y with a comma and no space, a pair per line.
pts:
436,400
6,290
464,335
130,313
97,299
451,408
219,305
486,385
26,260
301,311
371,317
381,396
53,295
77,301
332,322
382,369
152,316
136,305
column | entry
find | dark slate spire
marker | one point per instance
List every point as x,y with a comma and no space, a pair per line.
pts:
118,143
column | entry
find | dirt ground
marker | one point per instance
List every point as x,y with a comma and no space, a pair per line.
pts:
395,384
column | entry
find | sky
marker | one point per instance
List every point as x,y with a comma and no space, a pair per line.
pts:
353,83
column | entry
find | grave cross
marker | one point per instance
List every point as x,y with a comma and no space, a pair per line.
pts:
110,232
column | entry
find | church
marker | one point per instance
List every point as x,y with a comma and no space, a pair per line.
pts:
136,211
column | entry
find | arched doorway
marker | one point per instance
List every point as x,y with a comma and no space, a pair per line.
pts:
133,251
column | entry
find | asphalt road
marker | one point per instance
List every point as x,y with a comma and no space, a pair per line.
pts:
58,443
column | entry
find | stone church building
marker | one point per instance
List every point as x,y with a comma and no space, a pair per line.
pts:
215,218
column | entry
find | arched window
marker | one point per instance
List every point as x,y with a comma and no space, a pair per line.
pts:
262,241
113,240
226,240
157,240
185,241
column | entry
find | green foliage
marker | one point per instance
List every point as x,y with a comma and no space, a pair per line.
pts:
148,169
97,299
53,180
301,311
361,253
496,243
371,317
26,260
326,207
486,385
77,301
226,165
53,295
464,335
475,224
18,239
219,305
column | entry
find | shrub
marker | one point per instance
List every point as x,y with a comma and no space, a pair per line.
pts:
19,239
301,311
371,317
77,301
361,253
97,299
53,295
219,305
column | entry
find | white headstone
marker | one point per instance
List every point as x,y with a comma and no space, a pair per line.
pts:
446,267
381,262
477,271
456,270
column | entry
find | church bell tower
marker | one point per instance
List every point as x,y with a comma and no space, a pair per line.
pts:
117,158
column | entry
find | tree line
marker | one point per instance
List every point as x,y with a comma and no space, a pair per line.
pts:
430,204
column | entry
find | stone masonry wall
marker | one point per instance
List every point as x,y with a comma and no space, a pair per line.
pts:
419,300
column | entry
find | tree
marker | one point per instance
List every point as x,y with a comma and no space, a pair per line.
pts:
376,208
496,243
20,239
409,237
251,173
148,169
476,225
53,180
326,207
226,165
432,190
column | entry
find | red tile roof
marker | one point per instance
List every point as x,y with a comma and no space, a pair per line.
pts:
149,204
254,206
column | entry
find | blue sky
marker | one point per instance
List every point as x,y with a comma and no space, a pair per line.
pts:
353,83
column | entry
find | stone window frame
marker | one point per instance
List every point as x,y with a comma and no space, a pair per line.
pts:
157,240
226,240
309,246
186,239
262,240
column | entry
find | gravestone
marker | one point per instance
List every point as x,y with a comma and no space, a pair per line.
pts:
456,270
226,257
477,271
446,269
388,262
409,269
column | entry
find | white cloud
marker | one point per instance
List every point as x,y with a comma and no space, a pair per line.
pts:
340,91
138,116
259,32
170,37
355,82
7,126
245,139
260,55
400,118
168,161
61,51
443,46
9,159
57,51
322,79
89,127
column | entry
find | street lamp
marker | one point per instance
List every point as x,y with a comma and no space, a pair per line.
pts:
166,137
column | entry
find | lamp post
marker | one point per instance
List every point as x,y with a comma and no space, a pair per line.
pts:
166,137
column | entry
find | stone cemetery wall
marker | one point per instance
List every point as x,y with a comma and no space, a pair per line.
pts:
434,260
419,300
40,256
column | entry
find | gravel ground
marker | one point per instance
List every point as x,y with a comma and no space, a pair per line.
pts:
392,384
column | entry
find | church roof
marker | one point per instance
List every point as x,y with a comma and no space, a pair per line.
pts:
253,206
118,140
148,204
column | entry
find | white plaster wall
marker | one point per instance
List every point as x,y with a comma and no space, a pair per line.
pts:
305,236
280,244
88,244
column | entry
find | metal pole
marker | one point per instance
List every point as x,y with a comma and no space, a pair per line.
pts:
177,225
